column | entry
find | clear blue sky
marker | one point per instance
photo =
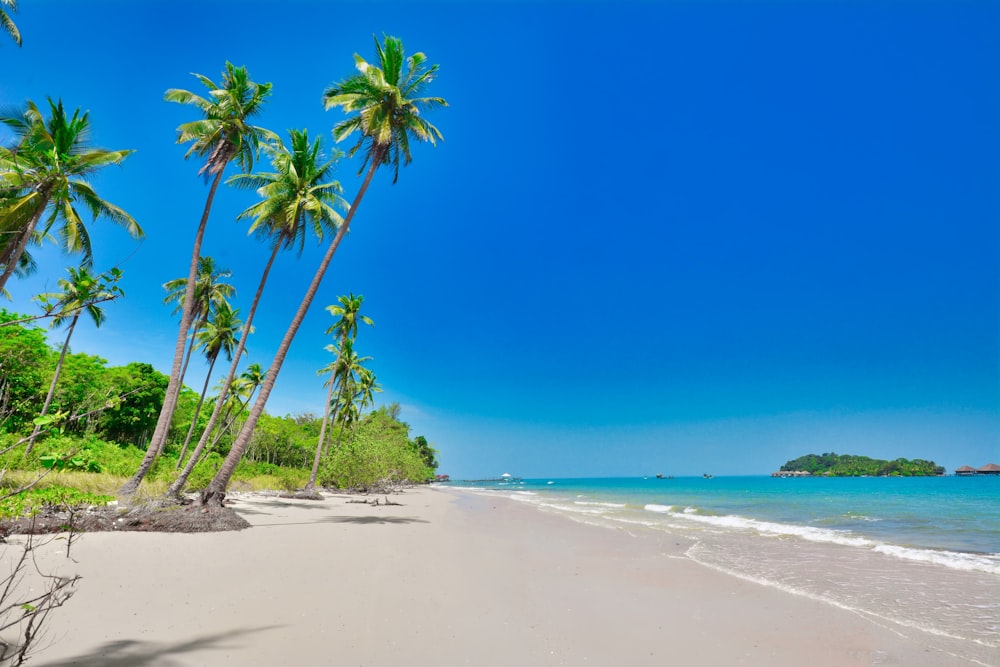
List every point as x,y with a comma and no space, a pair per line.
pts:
658,237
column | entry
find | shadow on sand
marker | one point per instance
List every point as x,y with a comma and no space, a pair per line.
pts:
360,520
133,653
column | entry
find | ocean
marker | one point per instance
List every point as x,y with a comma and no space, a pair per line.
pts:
919,553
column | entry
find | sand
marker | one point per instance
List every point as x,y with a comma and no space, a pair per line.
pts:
446,578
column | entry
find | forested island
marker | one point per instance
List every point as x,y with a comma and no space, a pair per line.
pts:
849,465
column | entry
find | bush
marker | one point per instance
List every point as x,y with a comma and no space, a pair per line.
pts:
380,455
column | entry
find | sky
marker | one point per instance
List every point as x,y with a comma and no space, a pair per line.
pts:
659,237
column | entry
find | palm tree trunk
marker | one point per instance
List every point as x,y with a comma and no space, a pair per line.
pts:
336,414
22,242
55,380
197,410
174,385
322,438
215,492
179,483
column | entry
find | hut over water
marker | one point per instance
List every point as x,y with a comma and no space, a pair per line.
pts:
988,469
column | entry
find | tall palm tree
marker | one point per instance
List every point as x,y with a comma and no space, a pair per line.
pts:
43,171
241,391
7,23
220,335
209,292
346,329
386,119
223,135
80,294
296,198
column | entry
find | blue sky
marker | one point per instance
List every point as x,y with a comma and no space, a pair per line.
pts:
658,237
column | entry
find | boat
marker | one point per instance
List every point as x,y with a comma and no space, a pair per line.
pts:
707,476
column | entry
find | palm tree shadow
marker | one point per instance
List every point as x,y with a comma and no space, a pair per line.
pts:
370,519
133,653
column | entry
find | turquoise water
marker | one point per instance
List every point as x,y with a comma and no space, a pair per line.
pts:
958,514
920,553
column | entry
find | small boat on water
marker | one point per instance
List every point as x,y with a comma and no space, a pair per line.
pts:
707,476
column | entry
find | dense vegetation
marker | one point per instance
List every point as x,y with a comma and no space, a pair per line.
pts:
848,465
101,416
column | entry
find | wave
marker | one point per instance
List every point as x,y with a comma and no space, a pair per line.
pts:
958,561
593,503
662,509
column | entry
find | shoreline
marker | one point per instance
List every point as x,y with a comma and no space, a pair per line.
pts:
446,577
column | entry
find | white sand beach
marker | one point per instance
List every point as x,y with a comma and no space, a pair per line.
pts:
445,578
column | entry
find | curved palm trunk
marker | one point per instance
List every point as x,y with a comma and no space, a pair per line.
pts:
55,380
174,385
322,439
22,243
197,411
179,483
215,492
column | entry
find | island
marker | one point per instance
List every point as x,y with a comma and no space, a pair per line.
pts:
849,465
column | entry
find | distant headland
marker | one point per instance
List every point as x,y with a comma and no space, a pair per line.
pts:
849,465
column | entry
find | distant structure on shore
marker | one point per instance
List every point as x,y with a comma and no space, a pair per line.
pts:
969,471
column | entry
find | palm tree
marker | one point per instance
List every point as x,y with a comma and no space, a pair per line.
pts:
7,23
209,292
298,196
240,393
220,335
387,118
80,294
222,136
43,172
346,330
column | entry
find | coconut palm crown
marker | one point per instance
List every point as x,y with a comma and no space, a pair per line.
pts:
44,170
386,98
224,134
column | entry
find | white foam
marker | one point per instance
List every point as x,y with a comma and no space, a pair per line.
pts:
769,528
663,509
597,504
952,559
574,510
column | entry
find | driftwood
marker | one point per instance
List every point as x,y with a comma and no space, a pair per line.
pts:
374,502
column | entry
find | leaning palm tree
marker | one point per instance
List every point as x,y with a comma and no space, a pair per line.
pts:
296,198
43,172
80,294
224,135
6,23
241,391
220,335
388,103
210,290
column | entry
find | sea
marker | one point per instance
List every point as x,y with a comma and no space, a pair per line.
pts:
917,554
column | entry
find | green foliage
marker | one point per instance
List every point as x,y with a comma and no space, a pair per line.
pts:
848,465
25,365
380,454
32,501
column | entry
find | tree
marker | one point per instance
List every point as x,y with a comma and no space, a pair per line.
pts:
24,359
296,197
220,336
239,395
223,135
44,170
7,23
80,294
388,111
344,328
344,374
209,292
